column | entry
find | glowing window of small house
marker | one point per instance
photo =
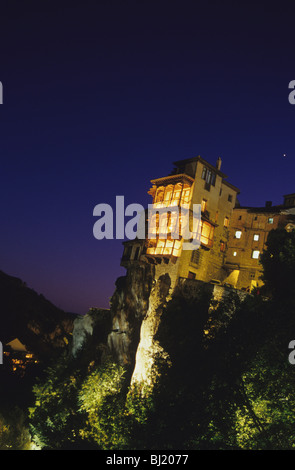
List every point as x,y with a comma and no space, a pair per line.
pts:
226,221
270,220
256,237
235,253
238,234
255,254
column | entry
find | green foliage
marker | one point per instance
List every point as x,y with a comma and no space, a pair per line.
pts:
54,421
102,398
14,433
279,263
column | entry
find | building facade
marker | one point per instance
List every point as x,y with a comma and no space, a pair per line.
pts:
231,237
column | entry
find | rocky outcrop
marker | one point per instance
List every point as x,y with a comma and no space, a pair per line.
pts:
149,348
90,334
129,305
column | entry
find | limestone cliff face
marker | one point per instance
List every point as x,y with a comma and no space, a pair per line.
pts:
149,347
129,305
90,334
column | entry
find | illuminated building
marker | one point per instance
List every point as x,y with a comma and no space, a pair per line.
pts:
16,357
249,229
193,181
231,237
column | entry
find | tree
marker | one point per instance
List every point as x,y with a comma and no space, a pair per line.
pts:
278,262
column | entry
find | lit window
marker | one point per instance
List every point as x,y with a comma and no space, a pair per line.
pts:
203,205
222,247
168,194
256,237
238,234
207,234
226,221
160,194
270,220
255,254
235,253
176,248
185,198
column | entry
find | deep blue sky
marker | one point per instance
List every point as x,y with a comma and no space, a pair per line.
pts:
102,96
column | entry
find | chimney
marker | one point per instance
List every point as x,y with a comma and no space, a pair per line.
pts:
218,163
268,204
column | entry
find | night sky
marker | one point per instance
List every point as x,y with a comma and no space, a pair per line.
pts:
100,97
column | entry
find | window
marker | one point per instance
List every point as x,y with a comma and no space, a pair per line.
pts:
226,221
191,275
252,275
230,198
207,234
240,217
196,257
176,194
255,254
208,176
270,220
256,237
222,247
160,194
186,192
204,205
168,194
238,234
235,253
